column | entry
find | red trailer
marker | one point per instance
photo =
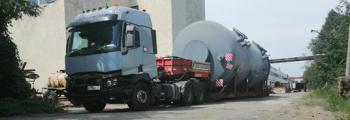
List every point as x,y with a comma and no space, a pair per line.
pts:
175,67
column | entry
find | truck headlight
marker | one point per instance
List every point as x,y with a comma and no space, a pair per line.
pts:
115,81
111,82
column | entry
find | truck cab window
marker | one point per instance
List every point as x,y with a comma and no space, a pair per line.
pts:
95,38
132,38
137,38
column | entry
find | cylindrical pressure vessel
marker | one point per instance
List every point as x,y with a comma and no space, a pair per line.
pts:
231,58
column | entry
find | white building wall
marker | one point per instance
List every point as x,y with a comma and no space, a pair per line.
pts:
160,12
186,12
41,41
169,17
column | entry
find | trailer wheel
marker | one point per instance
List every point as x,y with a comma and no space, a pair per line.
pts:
187,95
141,97
199,99
94,107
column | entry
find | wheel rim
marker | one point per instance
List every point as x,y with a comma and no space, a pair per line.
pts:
201,96
142,96
189,96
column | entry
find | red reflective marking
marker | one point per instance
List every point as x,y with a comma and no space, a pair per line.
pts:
228,57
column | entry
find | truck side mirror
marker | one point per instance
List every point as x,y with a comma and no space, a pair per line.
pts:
130,36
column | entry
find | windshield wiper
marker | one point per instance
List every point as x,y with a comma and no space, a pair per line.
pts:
76,52
79,52
107,48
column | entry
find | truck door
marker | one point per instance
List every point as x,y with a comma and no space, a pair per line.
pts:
131,50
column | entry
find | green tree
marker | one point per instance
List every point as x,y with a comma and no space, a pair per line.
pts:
332,42
12,82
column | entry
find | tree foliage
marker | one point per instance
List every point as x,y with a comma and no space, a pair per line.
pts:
12,82
332,43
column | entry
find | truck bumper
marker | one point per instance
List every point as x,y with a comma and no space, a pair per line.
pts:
90,87
112,95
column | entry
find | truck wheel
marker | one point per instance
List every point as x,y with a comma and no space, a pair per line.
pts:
199,99
75,103
187,96
141,97
94,107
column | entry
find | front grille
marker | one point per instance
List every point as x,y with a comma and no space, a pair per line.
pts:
80,86
87,82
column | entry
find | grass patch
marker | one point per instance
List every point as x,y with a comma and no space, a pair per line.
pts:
329,98
334,102
12,107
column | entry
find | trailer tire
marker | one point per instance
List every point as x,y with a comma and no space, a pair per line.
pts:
141,97
94,107
200,98
187,95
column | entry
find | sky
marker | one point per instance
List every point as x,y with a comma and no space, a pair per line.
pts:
282,27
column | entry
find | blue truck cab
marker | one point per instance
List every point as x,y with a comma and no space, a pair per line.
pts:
110,58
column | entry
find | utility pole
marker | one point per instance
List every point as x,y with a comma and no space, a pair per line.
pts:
344,82
347,69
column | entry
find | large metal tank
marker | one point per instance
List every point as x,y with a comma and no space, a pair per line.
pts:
232,58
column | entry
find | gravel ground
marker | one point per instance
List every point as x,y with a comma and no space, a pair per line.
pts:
275,107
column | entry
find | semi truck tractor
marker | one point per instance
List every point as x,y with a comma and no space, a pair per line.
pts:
111,58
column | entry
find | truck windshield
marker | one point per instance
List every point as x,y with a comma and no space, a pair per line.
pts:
95,38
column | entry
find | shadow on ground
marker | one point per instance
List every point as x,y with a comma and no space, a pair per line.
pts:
123,112
192,107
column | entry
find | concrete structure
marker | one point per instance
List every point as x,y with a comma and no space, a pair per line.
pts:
41,41
277,75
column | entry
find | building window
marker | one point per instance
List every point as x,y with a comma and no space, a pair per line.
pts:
41,2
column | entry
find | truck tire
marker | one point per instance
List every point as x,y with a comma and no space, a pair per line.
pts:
141,97
200,98
94,107
187,96
75,103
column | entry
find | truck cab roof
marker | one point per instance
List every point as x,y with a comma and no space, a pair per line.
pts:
112,13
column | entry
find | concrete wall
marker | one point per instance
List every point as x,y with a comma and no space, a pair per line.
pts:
41,41
169,17
186,12
160,12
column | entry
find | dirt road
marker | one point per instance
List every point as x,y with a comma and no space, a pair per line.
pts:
275,107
